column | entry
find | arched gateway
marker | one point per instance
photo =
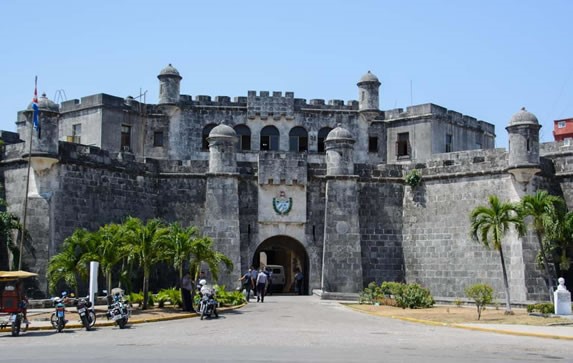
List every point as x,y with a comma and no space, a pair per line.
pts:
287,252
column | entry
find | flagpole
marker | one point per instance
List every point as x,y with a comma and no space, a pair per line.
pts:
25,213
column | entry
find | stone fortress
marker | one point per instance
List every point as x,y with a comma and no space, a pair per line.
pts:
281,180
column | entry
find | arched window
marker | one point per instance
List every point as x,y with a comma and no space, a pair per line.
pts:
206,130
298,139
244,134
270,138
322,134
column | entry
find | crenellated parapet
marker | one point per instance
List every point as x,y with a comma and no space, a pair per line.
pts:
463,164
100,100
266,105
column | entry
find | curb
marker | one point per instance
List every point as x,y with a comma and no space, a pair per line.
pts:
465,326
131,321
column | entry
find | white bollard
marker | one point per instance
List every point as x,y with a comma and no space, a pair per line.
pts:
94,269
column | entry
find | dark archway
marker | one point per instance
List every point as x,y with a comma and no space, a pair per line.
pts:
287,252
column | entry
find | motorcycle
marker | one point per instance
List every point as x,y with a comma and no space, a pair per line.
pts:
208,304
58,317
118,309
87,315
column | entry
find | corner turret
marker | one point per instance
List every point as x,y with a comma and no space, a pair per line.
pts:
368,89
169,85
523,130
222,143
44,136
339,145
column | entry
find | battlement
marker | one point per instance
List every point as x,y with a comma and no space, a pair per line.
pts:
556,147
99,100
463,162
322,105
430,109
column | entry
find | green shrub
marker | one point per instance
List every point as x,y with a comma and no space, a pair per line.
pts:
458,302
173,295
414,296
413,178
543,308
135,298
228,298
397,294
370,294
481,294
390,288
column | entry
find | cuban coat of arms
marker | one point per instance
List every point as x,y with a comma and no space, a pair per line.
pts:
282,204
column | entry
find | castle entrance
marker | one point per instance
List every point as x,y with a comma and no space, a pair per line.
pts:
287,252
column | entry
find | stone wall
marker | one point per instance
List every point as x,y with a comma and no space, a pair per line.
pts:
439,252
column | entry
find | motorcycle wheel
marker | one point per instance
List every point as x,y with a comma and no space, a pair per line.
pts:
86,322
60,325
121,323
203,313
16,326
215,313
54,320
92,318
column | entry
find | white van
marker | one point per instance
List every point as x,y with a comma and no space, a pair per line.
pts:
278,277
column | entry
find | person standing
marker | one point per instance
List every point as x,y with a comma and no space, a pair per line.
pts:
262,279
254,275
247,283
186,290
298,278
269,272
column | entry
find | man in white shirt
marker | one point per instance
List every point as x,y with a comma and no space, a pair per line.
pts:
262,279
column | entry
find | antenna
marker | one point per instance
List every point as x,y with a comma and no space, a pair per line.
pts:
411,95
60,96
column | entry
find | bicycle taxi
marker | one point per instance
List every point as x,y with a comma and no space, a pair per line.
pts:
13,301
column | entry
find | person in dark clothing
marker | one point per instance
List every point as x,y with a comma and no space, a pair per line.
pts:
269,273
298,279
247,283
186,290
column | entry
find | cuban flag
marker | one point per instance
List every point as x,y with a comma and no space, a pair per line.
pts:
35,106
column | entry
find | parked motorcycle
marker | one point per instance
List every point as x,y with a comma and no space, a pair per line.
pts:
58,317
87,315
208,304
118,309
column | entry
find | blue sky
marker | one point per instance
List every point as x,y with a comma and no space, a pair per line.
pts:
484,58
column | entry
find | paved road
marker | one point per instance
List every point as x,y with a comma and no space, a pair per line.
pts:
283,329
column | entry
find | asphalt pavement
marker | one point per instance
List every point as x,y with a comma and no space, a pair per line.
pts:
36,323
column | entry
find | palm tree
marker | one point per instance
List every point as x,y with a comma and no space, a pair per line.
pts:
147,243
489,224
8,223
70,264
180,241
111,249
542,207
559,233
203,252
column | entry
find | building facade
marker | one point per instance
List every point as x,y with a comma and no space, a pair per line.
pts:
281,180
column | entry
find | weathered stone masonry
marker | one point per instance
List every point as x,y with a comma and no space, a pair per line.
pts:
347,218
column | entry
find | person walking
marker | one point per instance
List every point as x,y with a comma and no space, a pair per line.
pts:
247,283
262,279
254,275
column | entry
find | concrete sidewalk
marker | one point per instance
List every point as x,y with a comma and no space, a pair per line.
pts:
39,318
